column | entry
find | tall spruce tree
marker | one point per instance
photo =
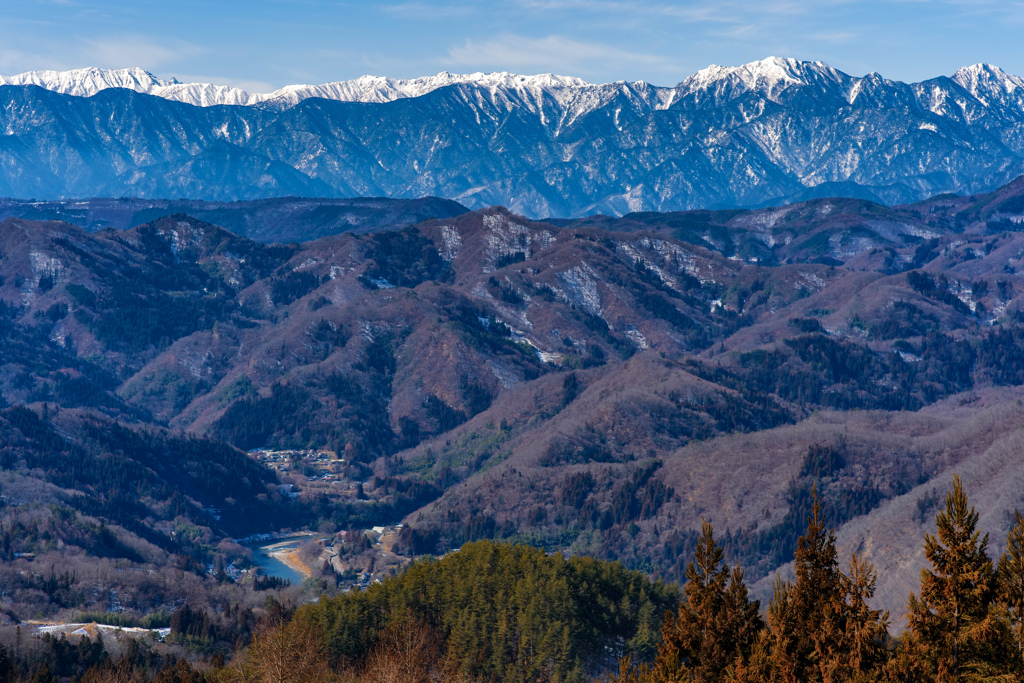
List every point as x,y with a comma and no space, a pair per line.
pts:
809,625
717,625
741,617
822,628
865,627
780,652
1011,584
962,635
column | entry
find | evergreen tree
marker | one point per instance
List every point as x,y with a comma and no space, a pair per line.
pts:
7,672
758,666
907,663
809,622
865,627
821,626
717,624
1011,583
741,617
961,636
780,650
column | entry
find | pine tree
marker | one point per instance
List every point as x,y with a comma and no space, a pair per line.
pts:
808,617
690,638
1011,583
907,663
782,644
740,617
628,673
757,667
865,627
716,626
961,636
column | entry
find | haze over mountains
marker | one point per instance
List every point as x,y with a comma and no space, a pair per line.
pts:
281,219
765,133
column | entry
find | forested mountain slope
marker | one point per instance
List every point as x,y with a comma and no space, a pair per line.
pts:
594,386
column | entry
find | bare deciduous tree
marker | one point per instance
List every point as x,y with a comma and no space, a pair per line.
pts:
292,653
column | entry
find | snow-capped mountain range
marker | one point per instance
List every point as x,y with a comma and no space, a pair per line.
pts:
986,82
89,81
761,133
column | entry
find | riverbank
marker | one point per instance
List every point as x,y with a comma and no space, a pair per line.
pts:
293,560
253,539
274,559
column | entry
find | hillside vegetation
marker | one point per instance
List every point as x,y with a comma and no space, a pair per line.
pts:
592,387
500,612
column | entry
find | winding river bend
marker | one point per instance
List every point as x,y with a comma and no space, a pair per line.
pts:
263,558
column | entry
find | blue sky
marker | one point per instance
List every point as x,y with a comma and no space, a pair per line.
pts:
264,44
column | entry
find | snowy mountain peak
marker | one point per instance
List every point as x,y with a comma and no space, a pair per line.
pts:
89,81
770,76
979,70
411,88
989,83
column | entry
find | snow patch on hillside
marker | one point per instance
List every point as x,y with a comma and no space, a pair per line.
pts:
452,241
581,288
506,237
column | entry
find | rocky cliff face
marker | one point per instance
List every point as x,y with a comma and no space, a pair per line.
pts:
765,133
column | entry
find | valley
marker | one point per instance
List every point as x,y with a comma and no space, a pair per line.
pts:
592,386
643,342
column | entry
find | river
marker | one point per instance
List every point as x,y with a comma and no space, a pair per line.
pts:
271,566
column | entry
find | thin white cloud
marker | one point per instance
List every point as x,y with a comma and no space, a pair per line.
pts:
509,52
110,52
738,31
427,11
576,5
14,61
835,37
728,11
137,50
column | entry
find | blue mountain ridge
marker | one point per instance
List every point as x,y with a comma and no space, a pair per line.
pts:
773,132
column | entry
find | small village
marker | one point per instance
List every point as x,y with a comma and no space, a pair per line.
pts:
357,565
355,558
312,471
